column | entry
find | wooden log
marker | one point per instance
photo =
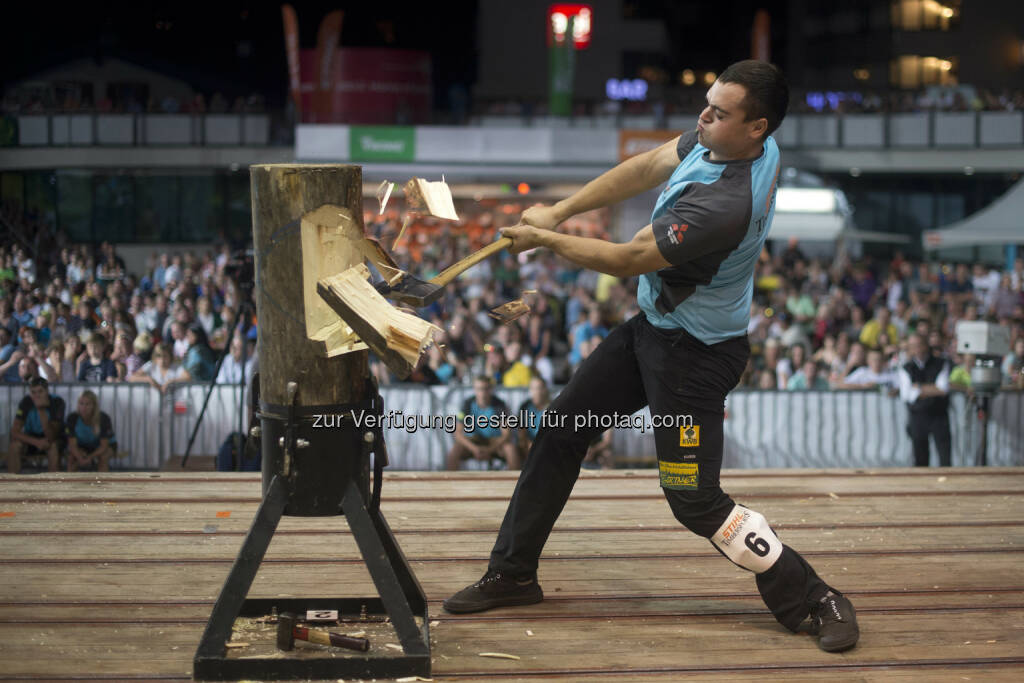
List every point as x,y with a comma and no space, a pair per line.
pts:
285,199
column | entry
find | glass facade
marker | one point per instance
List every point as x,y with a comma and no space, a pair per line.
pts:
137,206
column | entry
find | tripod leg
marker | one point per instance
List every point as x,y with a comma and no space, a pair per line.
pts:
378,562
240,578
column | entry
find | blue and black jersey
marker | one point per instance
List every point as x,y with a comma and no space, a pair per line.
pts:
710,223
483,429
29,415
87,437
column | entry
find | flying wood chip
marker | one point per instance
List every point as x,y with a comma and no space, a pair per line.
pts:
513,310
434,199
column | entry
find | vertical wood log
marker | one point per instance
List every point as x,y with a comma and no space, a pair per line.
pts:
281,195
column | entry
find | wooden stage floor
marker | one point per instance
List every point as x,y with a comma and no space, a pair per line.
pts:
113,576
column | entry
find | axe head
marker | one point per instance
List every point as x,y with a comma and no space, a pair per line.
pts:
411,291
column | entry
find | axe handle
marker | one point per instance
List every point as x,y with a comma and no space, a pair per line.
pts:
453,271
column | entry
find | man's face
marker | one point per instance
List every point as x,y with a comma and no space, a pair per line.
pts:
722,127
916,346
482,390
875,361
27,369
39,395
94,349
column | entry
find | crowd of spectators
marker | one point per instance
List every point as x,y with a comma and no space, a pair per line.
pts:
813,326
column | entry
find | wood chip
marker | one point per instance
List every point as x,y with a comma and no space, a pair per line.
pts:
237,645
394,647
506,313
499,655
434,198
529,632
410,679
833,496
384,194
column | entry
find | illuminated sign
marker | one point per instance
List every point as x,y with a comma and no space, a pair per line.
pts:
626,89
558,23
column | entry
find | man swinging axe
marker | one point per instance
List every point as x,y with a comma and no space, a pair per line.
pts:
681,355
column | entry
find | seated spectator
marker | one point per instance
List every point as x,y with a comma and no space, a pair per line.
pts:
789,366
483,441
881,324
1013,360
960,376
599,452
161,371
90,436
231,371
63,370
518,373
96,367
530,414
808,378
767,380
141,349
200,361
10,356
38,427
871,376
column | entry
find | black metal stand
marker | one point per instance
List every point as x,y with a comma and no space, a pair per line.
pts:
984,400
306,476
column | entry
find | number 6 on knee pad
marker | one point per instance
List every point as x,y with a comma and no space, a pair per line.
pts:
746,539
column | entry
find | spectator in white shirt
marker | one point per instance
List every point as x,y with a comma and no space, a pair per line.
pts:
231,367
870,376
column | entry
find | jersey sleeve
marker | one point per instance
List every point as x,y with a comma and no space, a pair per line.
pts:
702,221
106,427
687,141
24,408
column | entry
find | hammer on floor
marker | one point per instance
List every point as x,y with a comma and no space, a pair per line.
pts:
288,632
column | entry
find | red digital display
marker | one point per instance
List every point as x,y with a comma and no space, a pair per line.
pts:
558,22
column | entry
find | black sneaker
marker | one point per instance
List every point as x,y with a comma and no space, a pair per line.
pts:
495,590
834,621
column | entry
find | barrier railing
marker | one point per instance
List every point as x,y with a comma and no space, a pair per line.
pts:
762,429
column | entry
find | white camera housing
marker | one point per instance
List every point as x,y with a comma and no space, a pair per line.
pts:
982,338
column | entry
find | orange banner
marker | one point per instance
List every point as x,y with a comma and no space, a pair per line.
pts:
633,142
291,48
326,44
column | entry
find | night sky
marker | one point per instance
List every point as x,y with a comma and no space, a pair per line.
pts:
238,48
235,48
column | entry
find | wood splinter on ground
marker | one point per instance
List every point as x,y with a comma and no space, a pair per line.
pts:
498,655
399,338
384,194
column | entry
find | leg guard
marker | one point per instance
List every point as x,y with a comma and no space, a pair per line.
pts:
747,540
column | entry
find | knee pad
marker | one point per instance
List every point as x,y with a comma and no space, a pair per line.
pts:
747,540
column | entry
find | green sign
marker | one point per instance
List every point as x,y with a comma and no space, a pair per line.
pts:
382,143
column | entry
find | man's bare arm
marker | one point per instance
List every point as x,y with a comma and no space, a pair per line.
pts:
639,255
633,176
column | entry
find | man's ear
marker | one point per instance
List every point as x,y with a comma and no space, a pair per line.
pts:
758,128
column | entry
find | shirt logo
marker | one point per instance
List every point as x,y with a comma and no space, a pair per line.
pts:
676,232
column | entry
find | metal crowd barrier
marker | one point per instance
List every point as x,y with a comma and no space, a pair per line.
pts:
762,429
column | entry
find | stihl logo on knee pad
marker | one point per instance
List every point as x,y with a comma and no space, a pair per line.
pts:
746,539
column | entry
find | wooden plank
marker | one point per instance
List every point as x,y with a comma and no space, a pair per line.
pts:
476,546
701,576
398,486
463,515
668,644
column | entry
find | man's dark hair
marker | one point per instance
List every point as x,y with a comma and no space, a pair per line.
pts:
38,381
767,92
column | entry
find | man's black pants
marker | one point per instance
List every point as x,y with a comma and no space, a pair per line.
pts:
676,374
920,425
